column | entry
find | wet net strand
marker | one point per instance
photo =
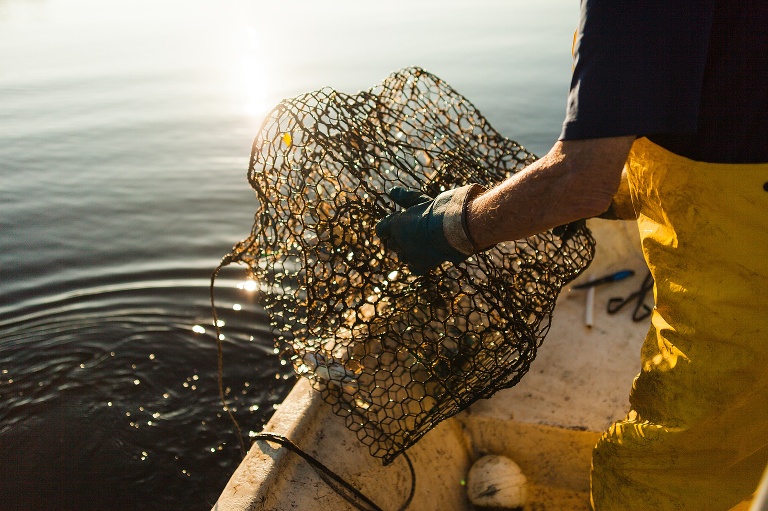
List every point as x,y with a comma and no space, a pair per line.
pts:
393,354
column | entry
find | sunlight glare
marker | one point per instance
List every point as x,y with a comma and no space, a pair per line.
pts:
254,76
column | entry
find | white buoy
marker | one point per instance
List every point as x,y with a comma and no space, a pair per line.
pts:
497,481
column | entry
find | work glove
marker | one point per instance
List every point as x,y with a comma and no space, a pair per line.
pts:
429,231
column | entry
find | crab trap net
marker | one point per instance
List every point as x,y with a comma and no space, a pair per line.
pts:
391,352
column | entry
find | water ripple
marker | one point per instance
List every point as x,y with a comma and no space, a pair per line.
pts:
108,396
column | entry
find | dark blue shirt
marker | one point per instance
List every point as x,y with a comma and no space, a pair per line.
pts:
692,75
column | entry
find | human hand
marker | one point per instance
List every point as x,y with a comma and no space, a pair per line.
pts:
429,231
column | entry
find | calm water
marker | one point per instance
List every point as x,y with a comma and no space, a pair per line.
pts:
125,130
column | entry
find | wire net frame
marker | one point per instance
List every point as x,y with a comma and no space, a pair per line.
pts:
392,353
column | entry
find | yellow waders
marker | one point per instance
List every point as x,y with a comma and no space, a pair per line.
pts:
696,437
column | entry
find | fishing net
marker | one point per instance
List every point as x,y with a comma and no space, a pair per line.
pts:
393,353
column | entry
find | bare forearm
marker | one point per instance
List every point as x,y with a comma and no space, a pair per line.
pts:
575,180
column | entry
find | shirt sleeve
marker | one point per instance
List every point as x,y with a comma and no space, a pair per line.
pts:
638,68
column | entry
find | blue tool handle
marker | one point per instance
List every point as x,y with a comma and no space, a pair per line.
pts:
613,277
619,275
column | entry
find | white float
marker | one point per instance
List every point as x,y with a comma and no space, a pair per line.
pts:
497,481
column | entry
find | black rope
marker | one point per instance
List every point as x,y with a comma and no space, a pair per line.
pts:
226,261
351,494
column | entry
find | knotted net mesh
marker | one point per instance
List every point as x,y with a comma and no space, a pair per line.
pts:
392,353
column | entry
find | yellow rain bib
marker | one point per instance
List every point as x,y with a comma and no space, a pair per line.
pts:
696,437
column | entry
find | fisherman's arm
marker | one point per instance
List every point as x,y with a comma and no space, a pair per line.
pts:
577,179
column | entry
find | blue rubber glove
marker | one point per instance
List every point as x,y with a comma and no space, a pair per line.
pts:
429,231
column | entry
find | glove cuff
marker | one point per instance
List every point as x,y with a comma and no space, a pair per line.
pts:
454,218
